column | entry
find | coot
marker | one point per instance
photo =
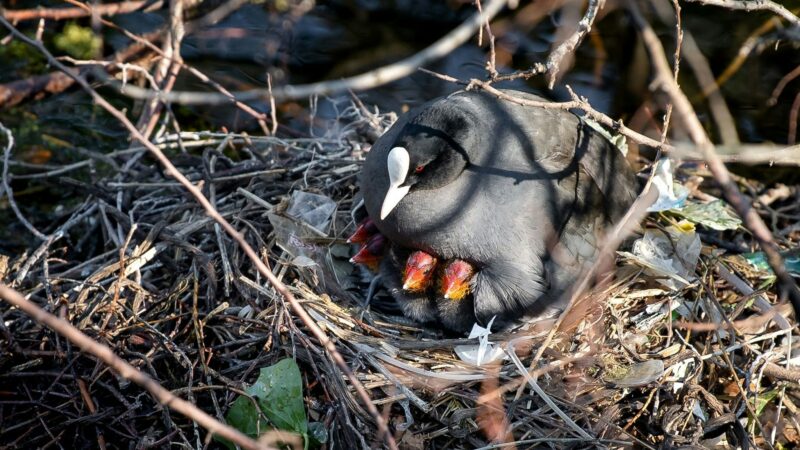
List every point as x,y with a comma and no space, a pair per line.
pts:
520,193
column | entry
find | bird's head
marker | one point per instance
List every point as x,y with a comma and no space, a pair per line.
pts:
419,271
456,279
371,252
430,153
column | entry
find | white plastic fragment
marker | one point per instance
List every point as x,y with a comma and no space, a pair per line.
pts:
680,371
303,261
313,209
307,218
653,314
482,353
668,198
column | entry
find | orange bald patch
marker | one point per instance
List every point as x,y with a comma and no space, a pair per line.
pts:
367,259
418,272
371,252
364,232
455,281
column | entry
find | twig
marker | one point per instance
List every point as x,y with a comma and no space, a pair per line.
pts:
745,49
212,17
87,398
167,69
569,45
215,15
753,5
731,192
7,186
125,370
575,103
791,374
760,302
368,80
491,64
676,63
15,92
744,154
109,9
791,137
272,107
262,268
716,102
18,91
511,352
785,80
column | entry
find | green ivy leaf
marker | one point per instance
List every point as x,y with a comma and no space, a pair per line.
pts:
278,395
279,390
245,416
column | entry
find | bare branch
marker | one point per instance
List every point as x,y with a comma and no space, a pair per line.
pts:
575,103
753,5
109,9
569,45
167,70
702,72
785,80
716,102
745,154
214,16
7,186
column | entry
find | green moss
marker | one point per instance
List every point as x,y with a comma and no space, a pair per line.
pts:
77,41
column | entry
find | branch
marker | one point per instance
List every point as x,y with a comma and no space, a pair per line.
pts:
571,43
167,70
109,9
262,268
576,103
744,154
753,5
368,80
18,91
127,371
53,83
6,185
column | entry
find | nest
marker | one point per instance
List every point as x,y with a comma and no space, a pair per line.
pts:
138,266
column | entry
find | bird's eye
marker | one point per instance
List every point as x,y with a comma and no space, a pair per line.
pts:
419,169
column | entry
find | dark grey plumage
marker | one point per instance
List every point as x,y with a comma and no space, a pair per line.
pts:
522,193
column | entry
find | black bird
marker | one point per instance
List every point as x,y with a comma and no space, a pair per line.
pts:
521,193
